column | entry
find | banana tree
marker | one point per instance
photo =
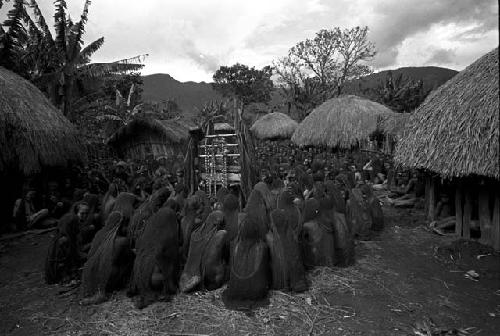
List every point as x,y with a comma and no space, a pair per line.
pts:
59,65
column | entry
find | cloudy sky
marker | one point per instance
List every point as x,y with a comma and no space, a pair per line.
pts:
190,39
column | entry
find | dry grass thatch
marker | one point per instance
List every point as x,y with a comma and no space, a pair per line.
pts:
274,125
455,131
173,131
394,124
344,122
223,127
33,133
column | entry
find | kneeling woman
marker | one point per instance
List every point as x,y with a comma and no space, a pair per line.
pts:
156,265
249,267
109,260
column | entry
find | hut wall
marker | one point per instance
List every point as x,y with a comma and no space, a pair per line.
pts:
143,146
477,210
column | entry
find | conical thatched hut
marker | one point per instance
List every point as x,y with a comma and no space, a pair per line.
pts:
142,138
33,133
34,137
273,126
455,133
344,123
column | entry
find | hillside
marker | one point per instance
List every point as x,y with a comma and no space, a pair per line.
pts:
432,77
191,96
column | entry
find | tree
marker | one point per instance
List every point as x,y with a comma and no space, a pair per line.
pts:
249,85
211,112
316,69
59,65
399,93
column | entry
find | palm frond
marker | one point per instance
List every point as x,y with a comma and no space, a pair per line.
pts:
79,30
139,59
40,20
34,31
14,37
85,54
105,69
60,24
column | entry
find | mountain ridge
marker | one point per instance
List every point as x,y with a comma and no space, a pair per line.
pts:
191,95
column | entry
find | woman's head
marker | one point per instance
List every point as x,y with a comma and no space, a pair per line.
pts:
82,211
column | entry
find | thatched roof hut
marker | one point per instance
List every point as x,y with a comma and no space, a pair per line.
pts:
344,122
142,137
33,133
455,131
394,124
274,125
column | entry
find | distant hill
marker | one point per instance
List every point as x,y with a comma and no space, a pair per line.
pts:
191,96
432,77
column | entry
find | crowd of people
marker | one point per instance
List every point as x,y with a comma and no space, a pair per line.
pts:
135,225
42,204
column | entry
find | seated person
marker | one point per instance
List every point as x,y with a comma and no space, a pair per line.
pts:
410,193
27,215
444,222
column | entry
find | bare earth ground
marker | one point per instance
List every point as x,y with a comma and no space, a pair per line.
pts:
407,281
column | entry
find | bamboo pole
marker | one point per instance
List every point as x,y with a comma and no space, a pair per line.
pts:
467,214
484,215
458,210
496,223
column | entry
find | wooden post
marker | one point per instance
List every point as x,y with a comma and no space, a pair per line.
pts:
427,195
432,198
484,215
467,215
495,228
458,210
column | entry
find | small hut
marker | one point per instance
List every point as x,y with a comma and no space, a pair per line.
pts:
274,126
145,138
273,132
34,136
455,134
345,122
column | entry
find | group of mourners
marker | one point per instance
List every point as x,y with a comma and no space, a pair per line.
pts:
160,242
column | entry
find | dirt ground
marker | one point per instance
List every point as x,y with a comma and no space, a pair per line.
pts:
406,281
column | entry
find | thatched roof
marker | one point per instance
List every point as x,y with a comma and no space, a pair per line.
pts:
274,125
173,131
455,131
394,124
33,133
342,122
223,127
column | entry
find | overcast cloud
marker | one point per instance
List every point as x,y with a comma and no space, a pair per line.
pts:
190,39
